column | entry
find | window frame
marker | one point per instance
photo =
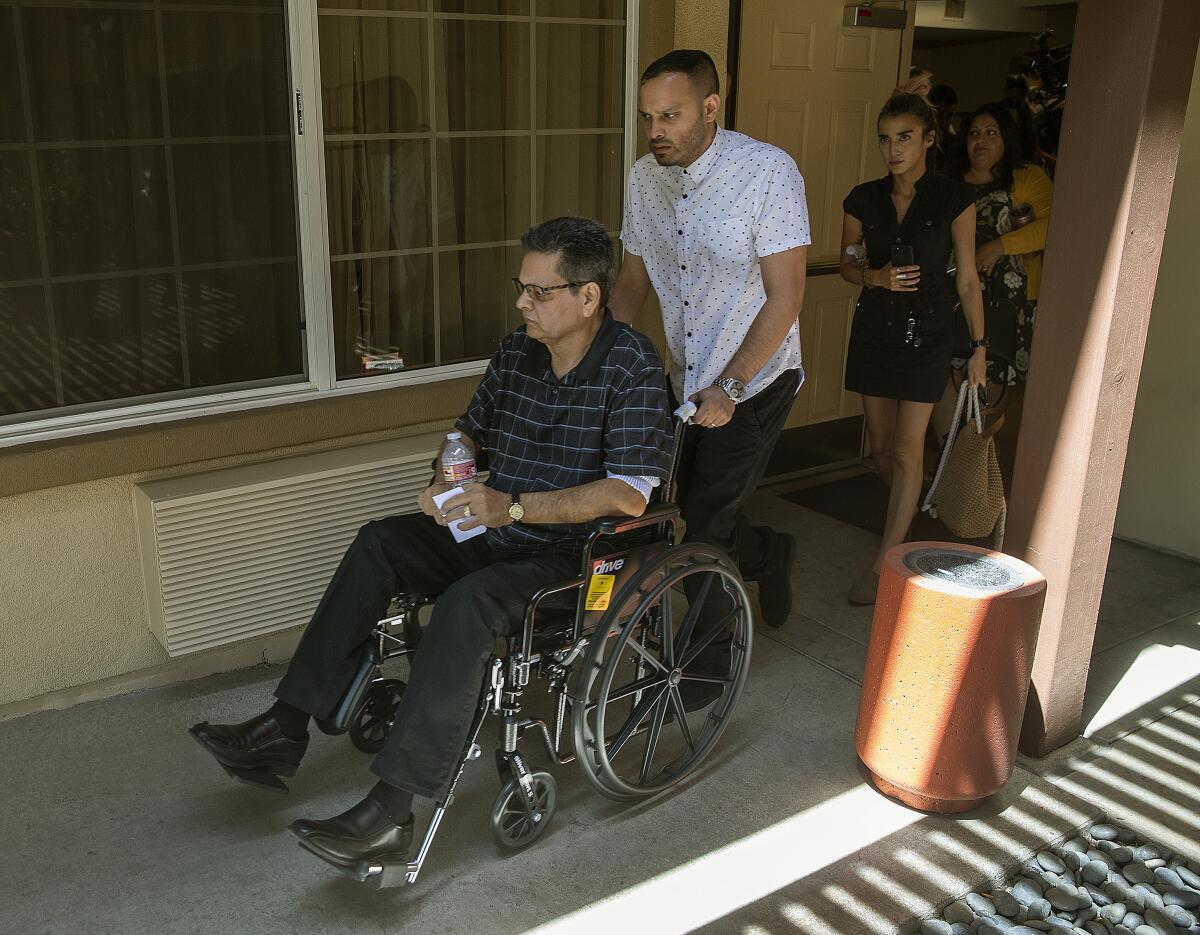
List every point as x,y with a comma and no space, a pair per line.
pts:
315,281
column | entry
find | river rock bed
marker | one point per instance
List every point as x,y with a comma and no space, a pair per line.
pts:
1101,882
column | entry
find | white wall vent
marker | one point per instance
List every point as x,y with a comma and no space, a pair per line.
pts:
247,551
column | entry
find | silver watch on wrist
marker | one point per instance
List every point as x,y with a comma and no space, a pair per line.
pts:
734,389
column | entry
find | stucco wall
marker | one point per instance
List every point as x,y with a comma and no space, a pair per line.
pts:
73,620
73,616
704,24
657,29
73,606
1160,495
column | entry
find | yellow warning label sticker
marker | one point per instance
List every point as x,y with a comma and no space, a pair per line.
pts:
600,591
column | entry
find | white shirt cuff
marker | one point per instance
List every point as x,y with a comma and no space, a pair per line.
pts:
643,485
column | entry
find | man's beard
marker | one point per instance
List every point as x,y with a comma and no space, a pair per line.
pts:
689,148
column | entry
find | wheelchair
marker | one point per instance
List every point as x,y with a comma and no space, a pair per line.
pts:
616,647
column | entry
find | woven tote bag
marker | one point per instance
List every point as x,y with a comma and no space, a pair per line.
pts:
967,493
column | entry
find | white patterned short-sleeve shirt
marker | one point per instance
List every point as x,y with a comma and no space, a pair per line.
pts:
701,232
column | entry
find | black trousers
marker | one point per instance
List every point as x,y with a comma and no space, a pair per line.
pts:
482,594
720,468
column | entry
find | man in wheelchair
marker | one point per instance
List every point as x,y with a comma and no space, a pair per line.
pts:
571,419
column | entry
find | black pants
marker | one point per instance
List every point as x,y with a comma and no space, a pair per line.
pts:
482,594
720,468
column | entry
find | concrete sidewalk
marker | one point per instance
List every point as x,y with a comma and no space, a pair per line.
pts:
115,822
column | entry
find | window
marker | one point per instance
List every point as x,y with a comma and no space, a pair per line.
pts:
191,214
148,220
447,133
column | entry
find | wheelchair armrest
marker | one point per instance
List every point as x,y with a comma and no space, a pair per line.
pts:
615,525
411,600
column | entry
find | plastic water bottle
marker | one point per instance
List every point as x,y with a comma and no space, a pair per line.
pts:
458,464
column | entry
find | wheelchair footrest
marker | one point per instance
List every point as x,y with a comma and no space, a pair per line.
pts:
380,875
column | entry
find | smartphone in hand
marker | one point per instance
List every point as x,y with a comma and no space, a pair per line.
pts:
902,255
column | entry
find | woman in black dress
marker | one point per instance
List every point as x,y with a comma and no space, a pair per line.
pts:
901,341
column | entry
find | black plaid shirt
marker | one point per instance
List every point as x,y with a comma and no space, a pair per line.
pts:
537,432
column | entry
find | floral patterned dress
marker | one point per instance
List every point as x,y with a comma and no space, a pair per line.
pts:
1008,313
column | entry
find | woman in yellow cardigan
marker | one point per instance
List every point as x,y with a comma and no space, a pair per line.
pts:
1012,212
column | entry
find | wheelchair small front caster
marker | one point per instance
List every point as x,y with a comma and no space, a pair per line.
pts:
369,729
517,823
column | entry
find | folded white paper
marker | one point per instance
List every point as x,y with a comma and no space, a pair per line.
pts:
459,535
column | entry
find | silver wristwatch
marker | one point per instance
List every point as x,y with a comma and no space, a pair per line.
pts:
734,389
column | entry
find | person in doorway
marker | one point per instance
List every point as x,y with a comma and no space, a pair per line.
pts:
586,395
717,224
944,100
1012,216
901,340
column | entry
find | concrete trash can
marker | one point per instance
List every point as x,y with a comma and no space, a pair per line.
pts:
947,673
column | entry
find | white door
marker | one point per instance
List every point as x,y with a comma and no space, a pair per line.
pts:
813,87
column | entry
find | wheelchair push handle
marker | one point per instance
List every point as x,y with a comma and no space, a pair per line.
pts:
683,418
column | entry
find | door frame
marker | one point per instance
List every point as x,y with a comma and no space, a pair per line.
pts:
732,60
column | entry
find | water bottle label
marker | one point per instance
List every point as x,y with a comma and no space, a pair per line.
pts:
459,472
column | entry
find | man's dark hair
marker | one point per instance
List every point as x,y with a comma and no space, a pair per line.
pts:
581,247
694,63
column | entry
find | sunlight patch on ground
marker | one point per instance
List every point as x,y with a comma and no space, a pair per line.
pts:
851,904
1128,797
1041,799
1150,748
911,901
1158,670
720,882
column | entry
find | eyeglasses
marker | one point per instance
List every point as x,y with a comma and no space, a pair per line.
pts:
540,293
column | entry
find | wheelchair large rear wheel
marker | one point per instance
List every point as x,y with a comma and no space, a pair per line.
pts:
663,673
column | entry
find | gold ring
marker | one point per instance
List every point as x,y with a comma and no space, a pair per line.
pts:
467,510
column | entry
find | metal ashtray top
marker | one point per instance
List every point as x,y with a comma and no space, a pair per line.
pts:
964,570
